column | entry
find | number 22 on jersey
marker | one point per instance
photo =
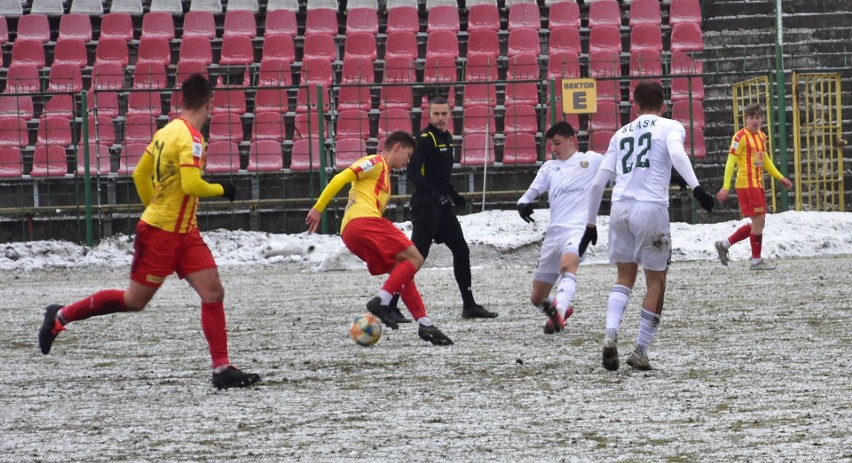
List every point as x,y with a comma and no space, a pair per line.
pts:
630,145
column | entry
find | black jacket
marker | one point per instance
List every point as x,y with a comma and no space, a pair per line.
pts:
432,162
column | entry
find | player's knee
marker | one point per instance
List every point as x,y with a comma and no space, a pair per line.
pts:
134,306
416,259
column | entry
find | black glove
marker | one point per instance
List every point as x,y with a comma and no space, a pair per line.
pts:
589,236
230,191
442,200
526,211
457,198
704,199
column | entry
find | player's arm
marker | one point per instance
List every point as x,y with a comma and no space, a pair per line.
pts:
193,185
774,172
414,171
526,204
730,165
142,178
680,162
334,186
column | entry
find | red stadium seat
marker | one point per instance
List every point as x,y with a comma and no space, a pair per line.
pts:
599,141
681,113
71,51
362,20
605,38
11,164
268,125
439,69
479,119
226,127
22,78
149,75
353,124
320,46
223,157
608,117
237,50
13,131
229,100
524,16
564,14
687,37
347,151
442,43
391,120
360,44
65,77
112,50
522,68
158,24
483,42
694,143
477,150
520,118
686,87
644,65
199,24
139,128
99,159
520,148
12,105
60,105
397,72
551,119
443,18
4,31
116,26
564,39
604,13
278,48
563,64
646,37
314,72
28,51
321,21
196,49
104,102
54,131
305,155
644,12
606,64
101,130
308,127
274,73
75,26
280,22
480,69
271,99
524,42
33,27
265,156
154,49
401,44
684,12
358,70
483,16
131,153
107,76
354,96
403,19
49,161
240,23
145,103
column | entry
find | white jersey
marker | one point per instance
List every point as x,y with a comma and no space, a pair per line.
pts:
639,156
567,183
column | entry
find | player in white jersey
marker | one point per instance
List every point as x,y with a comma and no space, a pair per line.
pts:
640,159
566,180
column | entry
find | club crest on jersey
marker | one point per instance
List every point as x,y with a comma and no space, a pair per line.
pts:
584,164
366,165
734,145
197,149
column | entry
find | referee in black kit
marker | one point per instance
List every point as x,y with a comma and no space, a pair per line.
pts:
432,211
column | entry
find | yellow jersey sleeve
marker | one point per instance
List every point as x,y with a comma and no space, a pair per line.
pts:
370,192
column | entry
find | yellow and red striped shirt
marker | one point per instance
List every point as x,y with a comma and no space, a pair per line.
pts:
748,154
369,190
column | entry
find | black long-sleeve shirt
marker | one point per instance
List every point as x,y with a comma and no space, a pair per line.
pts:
432,162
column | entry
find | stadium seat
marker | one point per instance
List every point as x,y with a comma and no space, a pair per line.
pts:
11,163
229,100
16,106
604,13
443,18
13,131
265,156
88,7
520,118
107,76
75,26
308,127
4,30
599,141
362,20
479,69
274,73
479,119
695,141
240,23
442,43
305,155
483,16
130,155
550,119
139,128
401,44
681,64
563,64
33,27
564,14
49,161
104,102
359,44
116,26
520,148
686,37
158,24
644,12
440,69
347,151
606,64
27,51
320,46
22,78
483,42
278,48
169,6
223,157
131,7
175,103
604,38
154,49
149,75
268,125
101,130
352,124
280,22
522,68
243,5
226,127
314,72
214,6
237,50
59,105
644,65
608,117
397,73
199,24
477,150
112,50
321,21
144,102
271,99
47,7
684,12
195,48
99,159
11,9
524,42
680,113
524,16
403,19
54,130
358,70
71,51
391,120
354,96
646,37
65,77
564,39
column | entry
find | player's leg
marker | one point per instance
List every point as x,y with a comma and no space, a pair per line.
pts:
756,239
426,329
453,236
569,262
744,197
622,245
649,319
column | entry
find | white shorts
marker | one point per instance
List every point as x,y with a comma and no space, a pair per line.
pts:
557,242
639,232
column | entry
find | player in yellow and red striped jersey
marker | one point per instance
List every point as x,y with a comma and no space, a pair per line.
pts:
749,156
374,238
168,180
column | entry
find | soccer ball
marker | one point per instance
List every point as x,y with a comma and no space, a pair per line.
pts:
365,329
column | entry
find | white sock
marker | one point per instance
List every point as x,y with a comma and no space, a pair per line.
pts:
565,292
755,261
726,244
550,299
424,321
385,296
648,323
221,368
618,298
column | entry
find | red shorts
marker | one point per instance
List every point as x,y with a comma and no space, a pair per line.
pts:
376,241
159,253
752,201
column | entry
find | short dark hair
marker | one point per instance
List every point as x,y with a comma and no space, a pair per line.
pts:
560,128
403,138
754,109
649,96
196,91
437,100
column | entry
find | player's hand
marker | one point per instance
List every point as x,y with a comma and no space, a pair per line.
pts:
704,198
230,191
457,198
786,182
526,211
313,219
589,236
442,200
722,195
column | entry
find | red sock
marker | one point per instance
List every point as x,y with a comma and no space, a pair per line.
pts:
213,325
413,301
756,245
399,276
101,303
741,234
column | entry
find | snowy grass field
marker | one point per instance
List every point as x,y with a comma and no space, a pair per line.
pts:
748,366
